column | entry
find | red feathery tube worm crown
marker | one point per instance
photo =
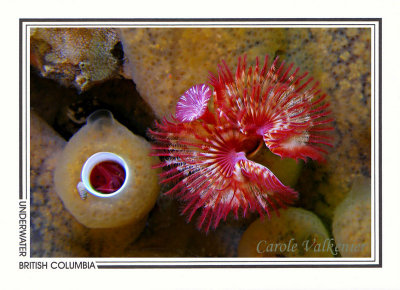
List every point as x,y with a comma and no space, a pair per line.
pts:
206,150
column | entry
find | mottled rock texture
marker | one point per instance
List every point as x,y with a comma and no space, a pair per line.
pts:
79,57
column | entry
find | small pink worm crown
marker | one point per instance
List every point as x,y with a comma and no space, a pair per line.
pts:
206,145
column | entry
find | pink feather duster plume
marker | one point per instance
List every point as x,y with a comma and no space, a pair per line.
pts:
206,146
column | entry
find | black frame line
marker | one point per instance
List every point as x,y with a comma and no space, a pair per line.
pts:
196,22
227,266
380,142
20,110
238,20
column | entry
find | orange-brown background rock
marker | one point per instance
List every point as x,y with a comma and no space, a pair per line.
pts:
165,62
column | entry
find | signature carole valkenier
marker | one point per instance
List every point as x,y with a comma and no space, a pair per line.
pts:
315,245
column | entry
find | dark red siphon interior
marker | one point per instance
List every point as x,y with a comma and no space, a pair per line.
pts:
107,176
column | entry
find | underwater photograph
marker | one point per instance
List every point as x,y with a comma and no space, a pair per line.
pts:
224,141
